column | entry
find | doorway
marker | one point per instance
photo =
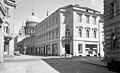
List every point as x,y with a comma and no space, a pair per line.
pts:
67,48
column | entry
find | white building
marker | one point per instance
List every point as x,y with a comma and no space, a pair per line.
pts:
73,29
7,7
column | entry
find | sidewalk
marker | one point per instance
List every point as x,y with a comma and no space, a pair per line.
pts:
14,64
94,61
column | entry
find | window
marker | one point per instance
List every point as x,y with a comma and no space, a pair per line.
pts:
47,26
94,20
95,34
87,18
87,33
53,34
114,9
52,21
67,32
80,48
7,29
49,23
56,20
50,35
57,33
80,32
79,17
7,10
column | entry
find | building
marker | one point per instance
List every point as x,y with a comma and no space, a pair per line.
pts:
2,15
27,35
112,29
72,29
9,27
6,20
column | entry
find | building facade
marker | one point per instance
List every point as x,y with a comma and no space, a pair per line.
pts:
112,29
6,15
72,29
2,15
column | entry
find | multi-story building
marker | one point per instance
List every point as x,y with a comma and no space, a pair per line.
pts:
72,29
2,15
9,26
112,29
6,15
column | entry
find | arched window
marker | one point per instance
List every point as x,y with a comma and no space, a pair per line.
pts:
87,33
80,32
67,32
94,34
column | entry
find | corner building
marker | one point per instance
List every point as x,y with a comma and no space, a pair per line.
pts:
72,29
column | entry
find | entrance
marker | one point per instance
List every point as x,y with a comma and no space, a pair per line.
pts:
67,48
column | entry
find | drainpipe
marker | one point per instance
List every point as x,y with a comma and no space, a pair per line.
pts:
99,38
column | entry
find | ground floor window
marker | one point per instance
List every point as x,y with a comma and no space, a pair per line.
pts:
54,49
48,49
91,48
80,48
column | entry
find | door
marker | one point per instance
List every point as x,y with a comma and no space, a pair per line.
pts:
67,48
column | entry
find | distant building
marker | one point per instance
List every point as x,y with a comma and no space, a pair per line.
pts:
73,29
27,34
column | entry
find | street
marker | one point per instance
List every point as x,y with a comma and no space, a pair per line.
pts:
40,64
75,66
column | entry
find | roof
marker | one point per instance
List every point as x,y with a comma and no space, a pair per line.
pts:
32,19
78,6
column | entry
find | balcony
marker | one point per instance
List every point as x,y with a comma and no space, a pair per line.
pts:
2,9
10,3
66,39
7,37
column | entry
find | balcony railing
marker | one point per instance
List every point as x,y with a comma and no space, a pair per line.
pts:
66,39
7,36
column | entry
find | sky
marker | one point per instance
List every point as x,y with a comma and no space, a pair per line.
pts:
25,7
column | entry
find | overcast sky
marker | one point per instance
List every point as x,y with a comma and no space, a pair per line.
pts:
24,8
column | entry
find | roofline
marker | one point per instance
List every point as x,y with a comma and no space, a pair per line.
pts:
77,6
65,8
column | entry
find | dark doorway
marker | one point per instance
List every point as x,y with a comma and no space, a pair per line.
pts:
67,48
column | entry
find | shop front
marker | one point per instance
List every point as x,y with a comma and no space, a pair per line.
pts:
91,49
